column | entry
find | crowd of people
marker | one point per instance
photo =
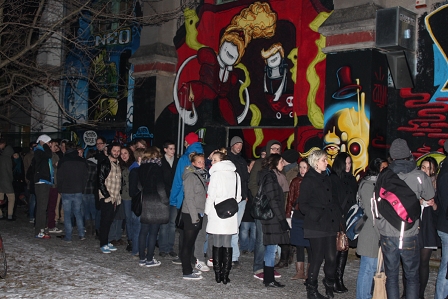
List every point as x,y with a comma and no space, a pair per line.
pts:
96,192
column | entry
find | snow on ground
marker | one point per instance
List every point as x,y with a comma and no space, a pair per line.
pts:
54,269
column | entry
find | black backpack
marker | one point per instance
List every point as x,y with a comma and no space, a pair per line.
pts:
395,201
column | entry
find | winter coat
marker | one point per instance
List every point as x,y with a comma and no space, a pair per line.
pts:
92,177
195,190
72,173
224,180
442,197
6,176
369,237
348,189
293,195
241,167
177,190
322,212
41,168
168,173
155,203
272,229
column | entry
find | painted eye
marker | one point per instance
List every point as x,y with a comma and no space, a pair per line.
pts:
355,148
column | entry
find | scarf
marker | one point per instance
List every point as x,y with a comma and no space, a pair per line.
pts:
153,160
281,178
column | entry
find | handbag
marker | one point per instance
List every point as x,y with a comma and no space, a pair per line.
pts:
229,207
136,204
260,206
341,240
379,289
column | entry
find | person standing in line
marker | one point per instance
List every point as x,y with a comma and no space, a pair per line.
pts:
191,144
168,231
234,155
442,226
224,183
275,230
322,218
109,183
43,180
369,237
296,233
6,177
155,205
53,197
195,191
72,180
272,147
404,165
29,183
89,196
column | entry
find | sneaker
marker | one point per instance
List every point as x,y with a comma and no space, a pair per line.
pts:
173,255
235,265
163,254
196,271
112,247
55,230
153,263
82,238
201,266
105,249
192,276
245,252
141,263
210,262
259,276
66,240
277,275
177,261
31,220
43,235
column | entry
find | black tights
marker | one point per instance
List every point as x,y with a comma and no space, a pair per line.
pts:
321,248
425,256
301,253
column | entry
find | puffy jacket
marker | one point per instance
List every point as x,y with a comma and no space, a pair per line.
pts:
241,167
177,191
224,181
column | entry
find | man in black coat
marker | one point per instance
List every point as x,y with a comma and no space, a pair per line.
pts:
72,177
167,231
234,155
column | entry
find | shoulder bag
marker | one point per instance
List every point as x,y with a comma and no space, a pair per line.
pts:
229,207
379,289
260,207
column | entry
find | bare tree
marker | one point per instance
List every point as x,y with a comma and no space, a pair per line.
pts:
37,36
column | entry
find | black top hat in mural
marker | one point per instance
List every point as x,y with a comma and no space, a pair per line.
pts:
347,88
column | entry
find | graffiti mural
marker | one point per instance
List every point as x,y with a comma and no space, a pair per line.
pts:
251,64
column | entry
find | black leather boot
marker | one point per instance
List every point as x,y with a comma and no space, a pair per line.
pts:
284,257
269,279
341,260
311,290
329,284
226,264
217,262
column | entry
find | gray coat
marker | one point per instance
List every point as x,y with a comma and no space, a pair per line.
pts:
6,176
195,192
369,237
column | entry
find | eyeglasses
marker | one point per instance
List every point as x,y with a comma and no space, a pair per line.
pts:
99,143
275,149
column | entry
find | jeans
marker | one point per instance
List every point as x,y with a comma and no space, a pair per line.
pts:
247,236
367,269
269,255
410,258
259,247
236,249
147,239
71,203
88,201
115,230
167,233
135,231
442,282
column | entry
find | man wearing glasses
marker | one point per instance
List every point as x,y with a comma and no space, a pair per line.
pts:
101,147
272,147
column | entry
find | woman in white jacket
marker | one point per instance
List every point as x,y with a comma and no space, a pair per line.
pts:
224,183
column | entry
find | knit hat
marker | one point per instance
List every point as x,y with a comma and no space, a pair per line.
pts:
445,146
235,140
399,149
44,138
191,138
290,155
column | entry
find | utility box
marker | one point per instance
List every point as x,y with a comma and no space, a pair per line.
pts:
395,29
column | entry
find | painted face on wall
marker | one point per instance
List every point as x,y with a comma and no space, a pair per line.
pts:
228,53
274,60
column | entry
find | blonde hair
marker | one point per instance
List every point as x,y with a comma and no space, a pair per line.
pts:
193,156
277,47
151,152
138,153
314,157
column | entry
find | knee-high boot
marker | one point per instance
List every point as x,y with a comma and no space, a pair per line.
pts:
341,260
329,285
226,264
217,262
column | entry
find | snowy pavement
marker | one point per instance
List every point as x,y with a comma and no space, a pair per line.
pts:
54,269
